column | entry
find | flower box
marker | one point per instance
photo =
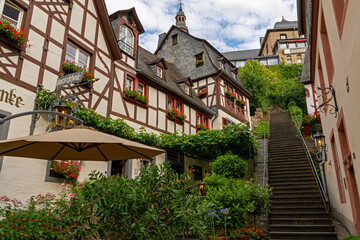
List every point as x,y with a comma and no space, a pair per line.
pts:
17,37
202,93
230,95
65,169
240,102
202,127
176,114
72,67
199,62
132,94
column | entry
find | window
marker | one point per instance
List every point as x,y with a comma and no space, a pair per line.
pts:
199,61
240,63
141,89
226,87
273,61
11,13
288,60
302,36
187,89
283,36
129,83
159,71
282,45
298,59
174,39
292,45
263,61
75,54
202,119
170,102
126,40
178,106
301,44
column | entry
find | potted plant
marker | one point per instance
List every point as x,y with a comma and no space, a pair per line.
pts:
202,127
199,62
176,114
71,67
230,95
202,93
14,35
65,169
133,94
240,102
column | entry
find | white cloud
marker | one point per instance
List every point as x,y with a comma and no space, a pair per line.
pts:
227,24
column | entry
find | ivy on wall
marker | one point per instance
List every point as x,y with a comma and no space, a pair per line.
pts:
206,145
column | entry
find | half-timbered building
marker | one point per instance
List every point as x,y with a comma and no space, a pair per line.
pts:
81,31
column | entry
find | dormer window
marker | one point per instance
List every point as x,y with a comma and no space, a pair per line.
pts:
126,40
199,61
159,71
11,13
187,89
174,39
283,36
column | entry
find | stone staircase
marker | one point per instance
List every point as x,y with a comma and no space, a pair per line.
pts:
297,210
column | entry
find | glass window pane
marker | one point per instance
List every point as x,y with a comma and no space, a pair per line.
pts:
299,59
70,49
159,71
11,12
292,45
282,45
141,89
178,106
129,83
170,102
83,58
301,44
273,61
69,58
263,61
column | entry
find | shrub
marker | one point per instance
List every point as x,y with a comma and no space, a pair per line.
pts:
230,166
351,237
155,205
298,115
262,128
241,198
291,104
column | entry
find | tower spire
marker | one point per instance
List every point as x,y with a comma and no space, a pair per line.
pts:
180,19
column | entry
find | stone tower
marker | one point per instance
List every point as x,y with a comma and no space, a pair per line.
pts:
181,19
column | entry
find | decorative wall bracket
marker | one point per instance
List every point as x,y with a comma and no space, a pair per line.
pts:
334,107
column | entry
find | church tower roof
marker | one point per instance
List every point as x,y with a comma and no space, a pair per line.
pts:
181,19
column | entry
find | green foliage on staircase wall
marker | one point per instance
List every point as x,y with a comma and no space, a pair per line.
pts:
263,128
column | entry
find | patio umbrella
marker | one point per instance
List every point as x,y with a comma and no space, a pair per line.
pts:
79,143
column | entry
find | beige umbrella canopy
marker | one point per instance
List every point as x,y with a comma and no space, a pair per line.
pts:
79,143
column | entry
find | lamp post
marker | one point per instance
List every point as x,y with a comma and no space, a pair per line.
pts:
202,188
321,157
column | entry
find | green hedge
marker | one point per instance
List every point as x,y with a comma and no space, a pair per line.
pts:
230,166
262,128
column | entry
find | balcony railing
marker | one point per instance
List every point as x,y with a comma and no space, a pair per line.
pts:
127,48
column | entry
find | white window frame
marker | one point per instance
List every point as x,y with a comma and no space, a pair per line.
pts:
159,71
124,43
77,53
129,84
187,89
298,59
11,4
142,92
288,60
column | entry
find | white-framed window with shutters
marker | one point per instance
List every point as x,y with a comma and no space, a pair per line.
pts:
75,54
11,13
126,40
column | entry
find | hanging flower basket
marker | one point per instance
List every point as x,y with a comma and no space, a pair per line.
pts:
16,36
72,67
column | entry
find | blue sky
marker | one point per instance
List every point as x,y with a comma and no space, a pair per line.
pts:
228,25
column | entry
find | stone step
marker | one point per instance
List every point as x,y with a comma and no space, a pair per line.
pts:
282,209
299,214
282,181
301,228
297,197
303,235
296,203
295,191
274,165
297,176
296,187
275,171
299,221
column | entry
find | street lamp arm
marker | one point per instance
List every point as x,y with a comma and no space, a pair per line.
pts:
2,120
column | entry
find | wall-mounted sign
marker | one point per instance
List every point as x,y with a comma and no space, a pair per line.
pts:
295,50
72,78
11,98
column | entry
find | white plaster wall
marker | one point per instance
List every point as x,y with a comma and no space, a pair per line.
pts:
310,100
217,124
39,19
77,15
153,96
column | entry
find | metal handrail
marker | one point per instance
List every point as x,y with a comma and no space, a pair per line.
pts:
322,190
127,48
264,173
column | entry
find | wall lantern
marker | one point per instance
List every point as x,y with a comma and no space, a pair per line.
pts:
61,121
319,140
202,188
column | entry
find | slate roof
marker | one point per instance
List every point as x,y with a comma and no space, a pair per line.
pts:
172,75
242,54
285,24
